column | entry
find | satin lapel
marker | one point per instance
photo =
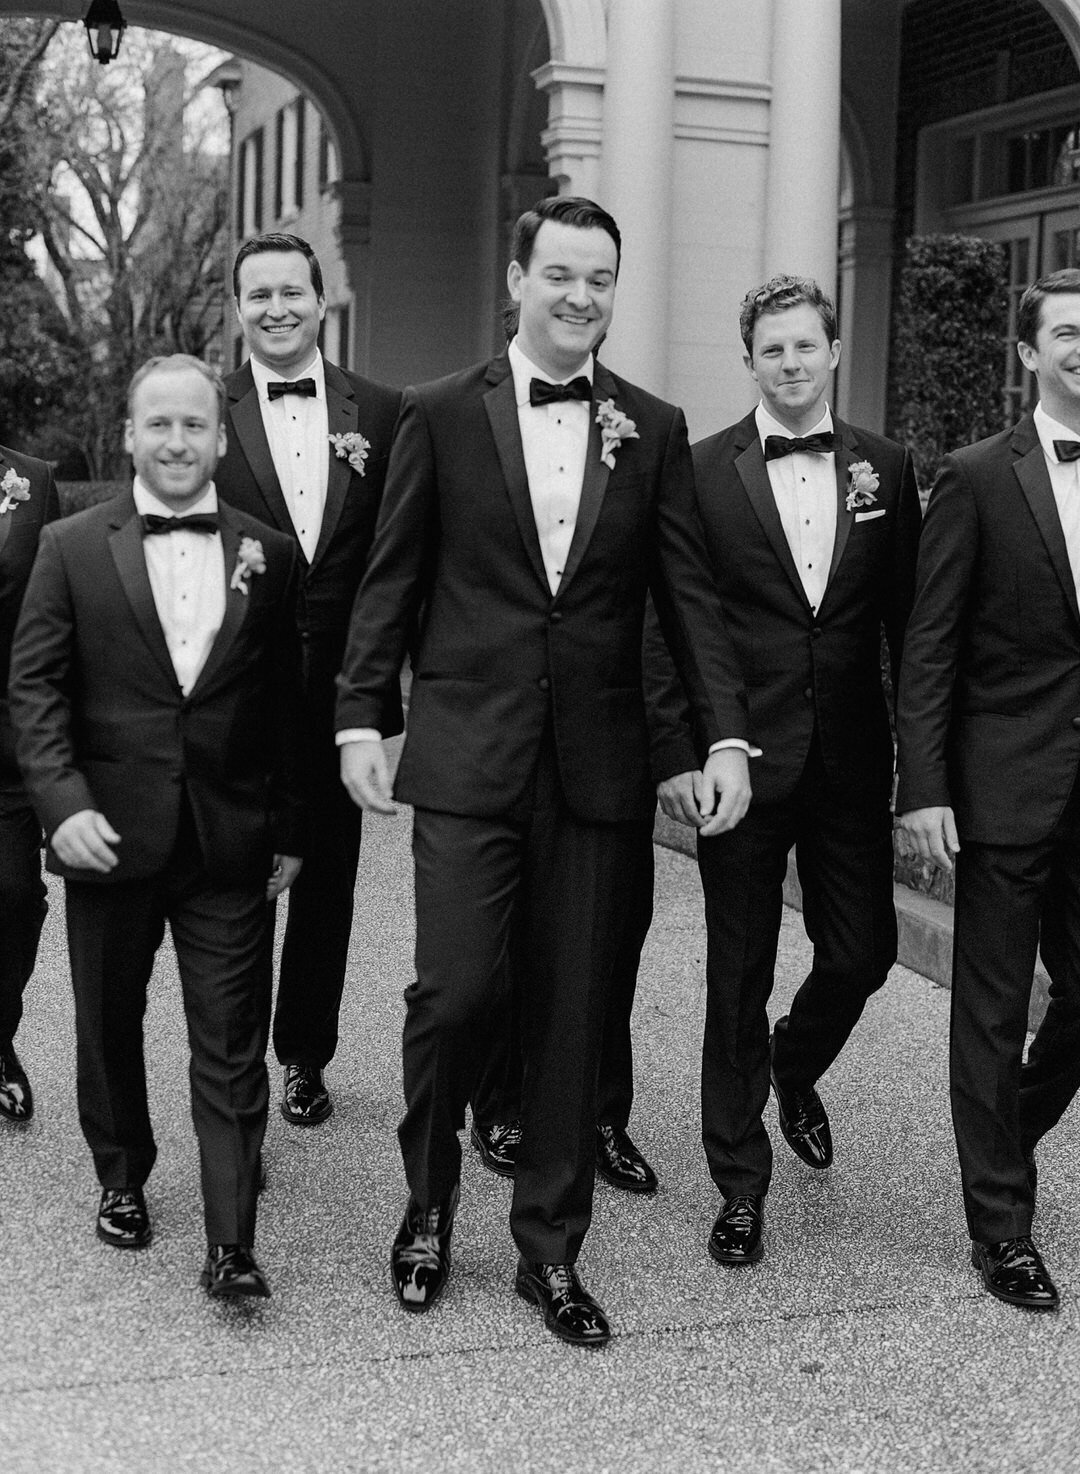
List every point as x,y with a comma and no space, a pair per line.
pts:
1034,478
502,413
755,479
844,457
5,520
251,433
342,417
126,547
236,604
594,479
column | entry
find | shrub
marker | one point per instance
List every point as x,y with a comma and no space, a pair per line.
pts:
950,327
75,496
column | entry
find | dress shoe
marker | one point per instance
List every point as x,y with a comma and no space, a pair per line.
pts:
804,1124
231,1270
306,1101
1014,1272
619,1162
569,1310
420,1256
16,1097
122,1218
736,1234
498,1145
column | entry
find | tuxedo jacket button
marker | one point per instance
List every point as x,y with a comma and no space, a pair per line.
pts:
554,617
809,693
1076,723
544,683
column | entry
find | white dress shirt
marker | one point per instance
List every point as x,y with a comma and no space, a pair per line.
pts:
804,488
297,431
1065,480
187,579
554,441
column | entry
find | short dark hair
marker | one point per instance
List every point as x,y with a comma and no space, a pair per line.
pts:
1029,313
172,362
564,209
259,245
777,295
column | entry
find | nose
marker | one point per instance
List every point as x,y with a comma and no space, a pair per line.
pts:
276,307
174,439
577,292
791,360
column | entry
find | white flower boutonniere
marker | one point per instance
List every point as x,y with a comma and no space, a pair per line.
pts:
615,427
864,482
15,488
353,447
249,559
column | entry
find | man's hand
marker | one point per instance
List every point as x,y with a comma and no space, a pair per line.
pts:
366,775
933,833
725,790
286,869
679,798
84,841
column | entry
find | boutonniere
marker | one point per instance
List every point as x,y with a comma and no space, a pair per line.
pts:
862,485
351,446
249,559
615,427
15,488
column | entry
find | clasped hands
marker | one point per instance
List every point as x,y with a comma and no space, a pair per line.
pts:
713,800
86,840
933,833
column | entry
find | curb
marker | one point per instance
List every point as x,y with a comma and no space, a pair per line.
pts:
924,926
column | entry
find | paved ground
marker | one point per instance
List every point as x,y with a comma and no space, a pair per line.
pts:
861,1343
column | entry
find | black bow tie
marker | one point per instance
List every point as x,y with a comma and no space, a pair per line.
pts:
197,522
277,387
1067,450
784,445
541,392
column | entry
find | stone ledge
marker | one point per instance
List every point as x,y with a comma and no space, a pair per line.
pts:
924,925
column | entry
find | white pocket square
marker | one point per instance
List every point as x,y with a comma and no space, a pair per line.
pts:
868,516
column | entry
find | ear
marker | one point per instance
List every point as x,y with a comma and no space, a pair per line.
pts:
1028,356
749,366
322,308
222,439
129,437
514,275
834,354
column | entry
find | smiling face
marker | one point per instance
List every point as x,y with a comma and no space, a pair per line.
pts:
1054,357
174,435
791,361
565,295
279,310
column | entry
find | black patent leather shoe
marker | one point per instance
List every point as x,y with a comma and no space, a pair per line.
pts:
619,1162
231,1270
498,1145
306,1100
804,1124
16,1097
122,1218
736,1234
569,1310
1013,1271
420,1256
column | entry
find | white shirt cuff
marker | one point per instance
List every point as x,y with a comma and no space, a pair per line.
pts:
725,742
357,734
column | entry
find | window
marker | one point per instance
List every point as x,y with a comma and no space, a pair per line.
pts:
328,161
289,161
249,188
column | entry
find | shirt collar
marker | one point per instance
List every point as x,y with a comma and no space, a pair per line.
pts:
768,424
146,501
524,370
1050,430
313,370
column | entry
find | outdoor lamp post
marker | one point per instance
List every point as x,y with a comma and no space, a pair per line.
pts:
104,28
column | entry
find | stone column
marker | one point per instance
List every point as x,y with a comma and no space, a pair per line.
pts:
804,141
636,182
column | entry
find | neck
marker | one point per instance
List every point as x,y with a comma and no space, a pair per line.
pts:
1067,414
556,371
797,423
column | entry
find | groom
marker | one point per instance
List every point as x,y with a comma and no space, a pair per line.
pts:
531,502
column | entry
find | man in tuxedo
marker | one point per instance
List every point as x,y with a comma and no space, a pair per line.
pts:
813,528
27,502
989,756
307,451
154,693
531,502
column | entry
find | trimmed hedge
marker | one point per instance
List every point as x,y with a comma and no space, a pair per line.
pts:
950,326
76,496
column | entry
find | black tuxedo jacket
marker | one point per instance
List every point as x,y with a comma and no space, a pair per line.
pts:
990,687
101,722
802,671
497,655
246,479
20,528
